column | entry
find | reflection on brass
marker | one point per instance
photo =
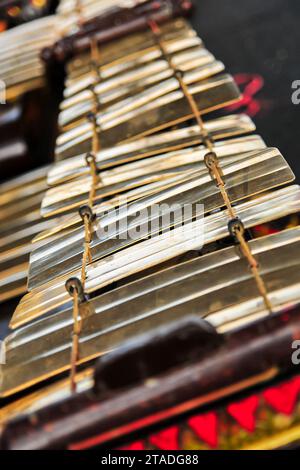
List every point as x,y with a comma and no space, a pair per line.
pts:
15,248
20,200
23,235
14,269
106,327
52,296
14,92
44,397
23,187
68,222
279,441
13,281
21,68
142,76
135,174
129,51
227,126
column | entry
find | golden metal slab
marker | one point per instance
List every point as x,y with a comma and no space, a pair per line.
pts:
123,110
104,330
53,298
251,175
24,234
24,221
134,174
18,90
168,109
219,128
26,185
21,68
44,329
13,281
14,268
218,286
70,221
35,304
129,52
45,397
112,87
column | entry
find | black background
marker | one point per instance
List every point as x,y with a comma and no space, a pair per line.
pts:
261,37
256,37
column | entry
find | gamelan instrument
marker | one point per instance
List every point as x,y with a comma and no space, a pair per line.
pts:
158,256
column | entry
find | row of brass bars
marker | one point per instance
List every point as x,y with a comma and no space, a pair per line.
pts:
73,285
235,225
